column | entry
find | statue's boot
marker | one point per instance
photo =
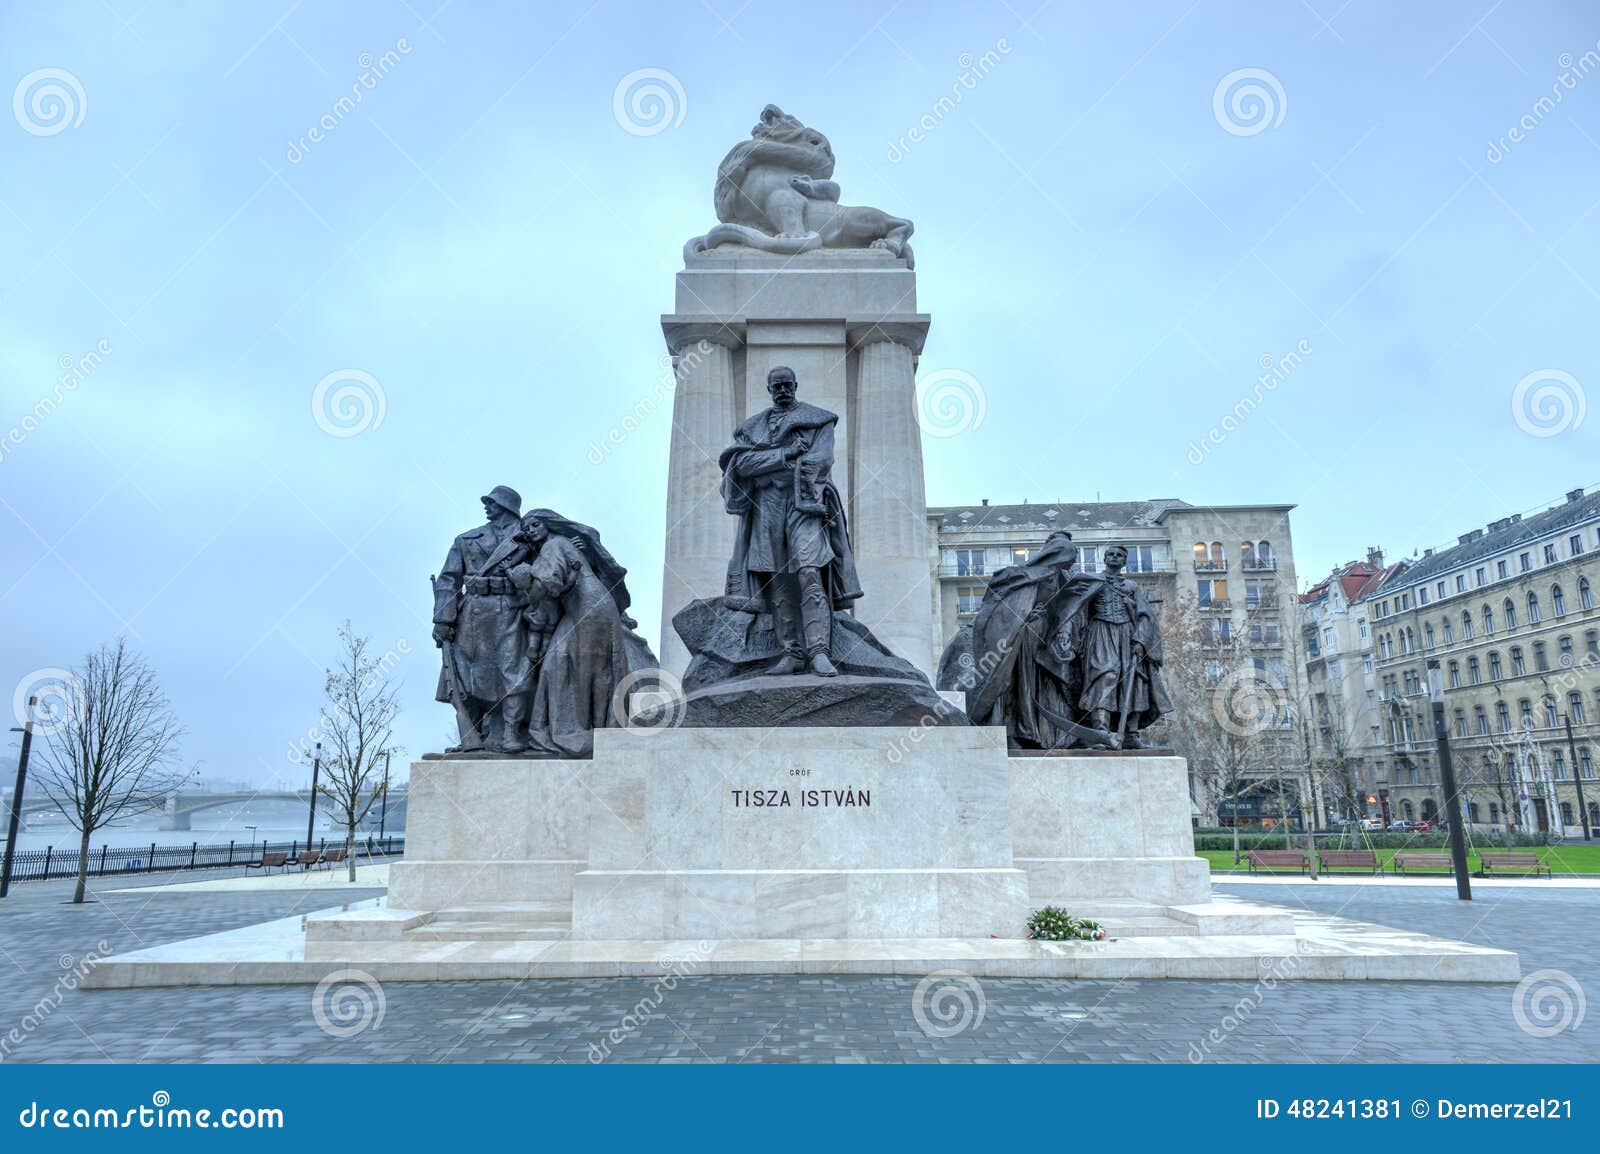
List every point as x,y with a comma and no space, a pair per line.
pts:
514,724
1100,720
471,730
816,623
786,666
786,618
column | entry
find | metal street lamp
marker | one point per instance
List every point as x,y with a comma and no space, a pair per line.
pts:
1447,773
383,803
22,780
311,819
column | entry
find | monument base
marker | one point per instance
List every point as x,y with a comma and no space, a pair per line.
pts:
802,850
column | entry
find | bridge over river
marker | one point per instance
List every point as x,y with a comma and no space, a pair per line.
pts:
181,806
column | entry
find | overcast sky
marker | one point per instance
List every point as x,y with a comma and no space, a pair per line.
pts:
1109,244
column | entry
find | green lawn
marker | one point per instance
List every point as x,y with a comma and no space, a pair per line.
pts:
1562,859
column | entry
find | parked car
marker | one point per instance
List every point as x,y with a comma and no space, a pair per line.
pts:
1372,823
1423,826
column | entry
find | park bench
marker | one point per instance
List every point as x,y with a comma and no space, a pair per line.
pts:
1278,859
1351,859
1411,862
267,861
1494,862
308,858
333,857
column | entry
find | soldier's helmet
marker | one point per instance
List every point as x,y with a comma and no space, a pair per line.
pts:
507,498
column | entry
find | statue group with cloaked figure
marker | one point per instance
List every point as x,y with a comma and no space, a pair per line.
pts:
1063,659
531,616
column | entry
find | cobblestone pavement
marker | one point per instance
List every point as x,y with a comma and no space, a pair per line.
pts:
797,1018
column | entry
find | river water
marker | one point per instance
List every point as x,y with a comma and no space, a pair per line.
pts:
272,821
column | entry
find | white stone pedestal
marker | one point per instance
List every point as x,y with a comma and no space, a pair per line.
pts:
800,833
846,321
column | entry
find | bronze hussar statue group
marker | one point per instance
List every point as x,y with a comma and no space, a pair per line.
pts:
531,613
1063,659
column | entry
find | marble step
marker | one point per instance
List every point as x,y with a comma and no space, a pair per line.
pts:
490,931
507,913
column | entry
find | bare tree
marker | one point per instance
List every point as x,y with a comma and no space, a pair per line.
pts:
111,752
357,723
1225,717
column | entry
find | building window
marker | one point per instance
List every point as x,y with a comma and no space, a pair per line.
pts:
969,562
1466,625
1494,813
1524,562
1488,621
1495,671
1558,601
1361,628
1247,554
1533,608
1525,708
969,598
1141,559
1461,582
1541,662
1585,597
1422,594
1518,665
1566,652
1559,762
1210,592
1455,674
1427,636
1510,609
1021,555
1575,545
1502,569
1461,723
1449,633
1480,576
1552,713
1366,665
1550,554
1566,813
1502,715
1575,707
1591,641
1474,674
1482,720
1585,763
1327,638
1089,559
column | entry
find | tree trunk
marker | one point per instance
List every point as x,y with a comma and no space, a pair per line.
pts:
83,867
350,851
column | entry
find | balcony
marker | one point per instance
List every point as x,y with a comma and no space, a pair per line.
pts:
1210,566
1270,565
958,569
1266,604
1217,605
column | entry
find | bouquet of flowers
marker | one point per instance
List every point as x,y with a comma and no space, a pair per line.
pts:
1054,924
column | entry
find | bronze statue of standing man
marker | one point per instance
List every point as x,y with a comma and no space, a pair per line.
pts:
478,623
793,547
1122,657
